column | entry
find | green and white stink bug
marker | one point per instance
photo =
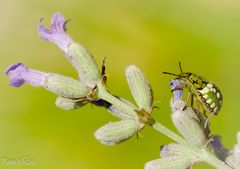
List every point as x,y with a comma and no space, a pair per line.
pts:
206,92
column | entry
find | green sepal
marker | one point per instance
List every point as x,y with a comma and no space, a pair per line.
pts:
117,132
122,114
84,63
70,104
187,123
174,149
172,162
65,86
140,88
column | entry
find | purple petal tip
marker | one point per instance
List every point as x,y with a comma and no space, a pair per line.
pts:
13,72
13,67
20,74
57,32
176,86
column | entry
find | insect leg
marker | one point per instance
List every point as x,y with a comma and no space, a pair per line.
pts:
207,123
192,100
189,97
187,100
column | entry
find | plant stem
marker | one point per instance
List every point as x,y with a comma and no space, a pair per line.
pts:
162,129
201,153
105,95
212,160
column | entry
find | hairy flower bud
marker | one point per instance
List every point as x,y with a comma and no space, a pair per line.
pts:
70,104
140,88
174,149
116,132
171,162
65,86
84,63
187,123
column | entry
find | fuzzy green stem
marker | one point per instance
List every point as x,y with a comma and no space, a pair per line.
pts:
212,160
162,129
105,95
201,153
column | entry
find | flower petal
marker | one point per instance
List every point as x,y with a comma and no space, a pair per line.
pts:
177,90
117,132
78,56
218,148
57,33
20,74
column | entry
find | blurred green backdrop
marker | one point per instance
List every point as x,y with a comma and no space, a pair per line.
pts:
154,35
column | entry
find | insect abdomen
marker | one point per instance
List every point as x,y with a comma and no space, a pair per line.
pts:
211,98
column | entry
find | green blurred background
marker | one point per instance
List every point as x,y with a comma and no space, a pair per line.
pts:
154,35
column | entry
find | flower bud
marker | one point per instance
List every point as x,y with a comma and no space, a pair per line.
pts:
174,149
70,104
187,123
65,86
140,88
117,132
171,162
84,63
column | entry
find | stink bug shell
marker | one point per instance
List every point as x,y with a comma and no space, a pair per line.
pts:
207,93
211,98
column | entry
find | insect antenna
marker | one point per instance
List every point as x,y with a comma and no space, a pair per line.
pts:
168,73
180,66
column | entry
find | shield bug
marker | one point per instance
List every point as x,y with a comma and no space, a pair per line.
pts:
207,93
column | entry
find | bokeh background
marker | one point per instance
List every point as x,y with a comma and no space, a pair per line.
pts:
154,35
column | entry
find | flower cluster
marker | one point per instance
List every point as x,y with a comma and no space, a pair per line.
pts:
131,121
90,87
72,93
195,146
187,123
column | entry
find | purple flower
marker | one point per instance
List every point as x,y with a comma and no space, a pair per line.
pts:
176,89
21,74
73,93
61,85
57,33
